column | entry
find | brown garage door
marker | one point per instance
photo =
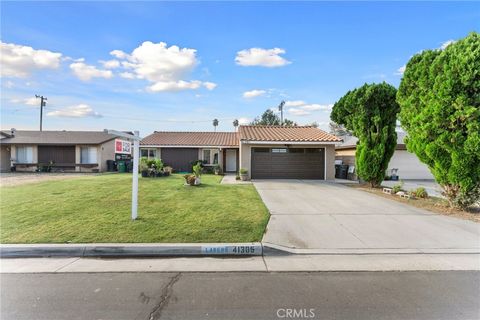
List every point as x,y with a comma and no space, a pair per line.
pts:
288,163
179,159
61,155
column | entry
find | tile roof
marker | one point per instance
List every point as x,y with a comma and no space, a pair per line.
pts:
280,133
163,138
56,137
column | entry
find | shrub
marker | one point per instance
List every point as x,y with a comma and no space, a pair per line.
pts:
420,192
197,170
208,169
243,171
158,164
143,166
397,187
440,111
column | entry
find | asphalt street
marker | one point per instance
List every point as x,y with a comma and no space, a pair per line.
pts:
256,295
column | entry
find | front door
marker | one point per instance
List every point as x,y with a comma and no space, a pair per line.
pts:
231,160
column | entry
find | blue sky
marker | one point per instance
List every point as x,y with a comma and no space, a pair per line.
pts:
178,65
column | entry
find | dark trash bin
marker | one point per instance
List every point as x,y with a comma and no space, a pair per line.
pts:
342,171
110,165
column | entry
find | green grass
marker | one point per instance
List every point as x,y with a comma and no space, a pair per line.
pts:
97,209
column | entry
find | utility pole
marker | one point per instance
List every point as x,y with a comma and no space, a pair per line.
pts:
43,103
280,108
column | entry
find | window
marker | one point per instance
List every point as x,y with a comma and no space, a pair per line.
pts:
148,153
88,155
25,154
279,150
313,150
210,156
296,150
206,156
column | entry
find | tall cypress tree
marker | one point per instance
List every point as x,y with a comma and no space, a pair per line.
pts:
370,113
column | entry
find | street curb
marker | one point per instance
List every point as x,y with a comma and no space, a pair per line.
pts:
131,250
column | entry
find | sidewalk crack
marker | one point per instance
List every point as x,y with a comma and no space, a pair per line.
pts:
64,266
164,298
349,231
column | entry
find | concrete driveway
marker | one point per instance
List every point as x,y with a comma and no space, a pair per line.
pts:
333,218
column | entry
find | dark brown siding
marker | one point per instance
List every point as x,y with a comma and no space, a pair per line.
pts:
179,158
269,165
61,155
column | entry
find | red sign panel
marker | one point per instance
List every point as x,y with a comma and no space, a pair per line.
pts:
122,146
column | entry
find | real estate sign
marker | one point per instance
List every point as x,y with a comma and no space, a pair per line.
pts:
123,147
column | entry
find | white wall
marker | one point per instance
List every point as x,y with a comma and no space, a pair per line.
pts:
409,167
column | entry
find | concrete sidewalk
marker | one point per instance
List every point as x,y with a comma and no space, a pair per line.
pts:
279,263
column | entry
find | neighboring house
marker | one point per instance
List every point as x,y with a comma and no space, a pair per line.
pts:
408,165
81,151
4,153
267,152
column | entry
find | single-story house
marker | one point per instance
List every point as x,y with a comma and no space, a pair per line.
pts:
66,151
407,165
267,152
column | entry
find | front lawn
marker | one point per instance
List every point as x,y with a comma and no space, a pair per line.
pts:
97,209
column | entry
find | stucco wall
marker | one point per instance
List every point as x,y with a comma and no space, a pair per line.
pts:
106,151
409,167
246,153
4,158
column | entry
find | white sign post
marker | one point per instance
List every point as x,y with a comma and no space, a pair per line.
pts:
136,155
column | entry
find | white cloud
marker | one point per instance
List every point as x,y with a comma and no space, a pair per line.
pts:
78,111
119,54
261,57
243,121
209,85
127,75
20,61
401,70
26,101
253,93
446,44
294,103
86,72
110,64
165,67
301,108
298,112
31,101
174,85
317,107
